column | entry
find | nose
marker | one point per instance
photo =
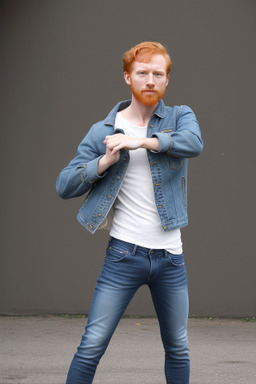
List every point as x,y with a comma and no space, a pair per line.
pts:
150,80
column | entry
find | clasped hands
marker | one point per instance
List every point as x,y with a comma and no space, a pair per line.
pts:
119,141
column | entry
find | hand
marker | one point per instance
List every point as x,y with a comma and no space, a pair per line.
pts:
111,157
107,160
118,141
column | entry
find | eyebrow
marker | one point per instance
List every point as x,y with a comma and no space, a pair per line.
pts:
146,70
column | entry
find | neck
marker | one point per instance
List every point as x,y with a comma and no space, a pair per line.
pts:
137,113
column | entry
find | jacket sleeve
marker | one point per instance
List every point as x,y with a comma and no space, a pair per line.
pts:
185,141
80,174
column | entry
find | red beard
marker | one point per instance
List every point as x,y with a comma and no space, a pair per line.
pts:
147,98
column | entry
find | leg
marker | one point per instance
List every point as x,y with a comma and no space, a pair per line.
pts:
116,286
169,292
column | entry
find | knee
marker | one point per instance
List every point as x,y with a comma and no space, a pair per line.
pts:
93,344
178,348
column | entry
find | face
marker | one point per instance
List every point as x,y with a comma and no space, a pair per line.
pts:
148,80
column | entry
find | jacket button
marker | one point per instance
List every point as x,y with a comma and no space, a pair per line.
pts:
118,177
99,214
152,125
165,228
124,159
90,226
109,196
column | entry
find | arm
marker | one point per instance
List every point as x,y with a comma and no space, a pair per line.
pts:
185,141
80,174
116,142
107,160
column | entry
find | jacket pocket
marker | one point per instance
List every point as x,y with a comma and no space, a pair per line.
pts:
173,162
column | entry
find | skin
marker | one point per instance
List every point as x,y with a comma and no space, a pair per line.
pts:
148,81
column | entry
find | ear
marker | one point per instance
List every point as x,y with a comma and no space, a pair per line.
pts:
167,79
127,78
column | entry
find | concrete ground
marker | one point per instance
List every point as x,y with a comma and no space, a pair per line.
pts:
38,350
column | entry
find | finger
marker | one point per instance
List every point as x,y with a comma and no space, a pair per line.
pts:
116,149
113,143
107,138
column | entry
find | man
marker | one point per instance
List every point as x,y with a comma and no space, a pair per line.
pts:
134,165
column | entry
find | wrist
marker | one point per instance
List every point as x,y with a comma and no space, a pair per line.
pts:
102,165
151,143
106,161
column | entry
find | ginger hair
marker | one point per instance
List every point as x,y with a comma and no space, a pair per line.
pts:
143,52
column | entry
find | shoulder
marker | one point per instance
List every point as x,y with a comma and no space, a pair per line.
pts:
106,127
178,110
180,113
100,130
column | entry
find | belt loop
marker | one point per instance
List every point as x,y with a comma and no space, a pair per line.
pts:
165,253
134,249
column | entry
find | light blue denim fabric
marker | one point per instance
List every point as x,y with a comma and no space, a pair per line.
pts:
126,268
180,138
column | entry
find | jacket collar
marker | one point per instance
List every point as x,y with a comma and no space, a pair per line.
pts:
110,119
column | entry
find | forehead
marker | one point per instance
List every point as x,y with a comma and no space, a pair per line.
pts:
155,62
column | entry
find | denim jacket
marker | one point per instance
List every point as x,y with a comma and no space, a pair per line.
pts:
179,136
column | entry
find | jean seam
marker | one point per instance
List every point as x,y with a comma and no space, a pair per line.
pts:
159,315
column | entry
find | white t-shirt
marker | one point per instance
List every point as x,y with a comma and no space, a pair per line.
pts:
136,218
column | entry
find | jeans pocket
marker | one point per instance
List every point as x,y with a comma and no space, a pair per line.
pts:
116,253
176,260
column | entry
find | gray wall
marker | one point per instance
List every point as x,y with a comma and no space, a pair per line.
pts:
60,72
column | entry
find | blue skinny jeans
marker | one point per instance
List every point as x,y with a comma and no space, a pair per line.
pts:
127,267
